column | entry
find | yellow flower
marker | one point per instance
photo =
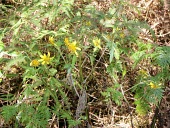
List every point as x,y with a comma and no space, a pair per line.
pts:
117,29
51,40
34,63
45,59
88,23
122,35
66,41
143,72
96,43
153,86
72,47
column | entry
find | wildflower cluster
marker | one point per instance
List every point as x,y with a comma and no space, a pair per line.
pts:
72,46
45,59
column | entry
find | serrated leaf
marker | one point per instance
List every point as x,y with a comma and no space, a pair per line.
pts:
8,112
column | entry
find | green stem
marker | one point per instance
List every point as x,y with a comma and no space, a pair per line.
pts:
80,68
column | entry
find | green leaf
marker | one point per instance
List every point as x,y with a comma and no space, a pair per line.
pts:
7,97
54,83
113,94
9,112
137,57
16,61
114,51
163,56
111,54
52,71
74,59
1,45
10,75
142,107
124,71
92,59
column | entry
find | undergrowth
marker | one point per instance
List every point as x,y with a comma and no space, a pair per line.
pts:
60,47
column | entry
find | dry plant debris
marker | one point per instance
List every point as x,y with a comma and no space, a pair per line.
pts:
100,114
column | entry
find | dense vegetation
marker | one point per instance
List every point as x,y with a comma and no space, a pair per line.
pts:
70,63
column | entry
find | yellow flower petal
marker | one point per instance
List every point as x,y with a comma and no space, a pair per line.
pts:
66,41
72,46
74,43
45,59
153,86
76,53
51,40
78,48
41,56
122,35
48,54
34,63
143,72
96,43
88,23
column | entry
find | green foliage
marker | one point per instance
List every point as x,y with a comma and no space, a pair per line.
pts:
163,56
71,121
9,112
113,94
34,116
145,95
56,44
31,116
149,90
142,107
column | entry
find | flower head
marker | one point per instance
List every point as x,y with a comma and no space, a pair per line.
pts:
88,23
66,41
118,29
96,43
122,35
51,40
142,72
73,48
45,59
153,86
34,63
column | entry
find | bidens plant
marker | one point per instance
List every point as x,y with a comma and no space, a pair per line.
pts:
72,58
